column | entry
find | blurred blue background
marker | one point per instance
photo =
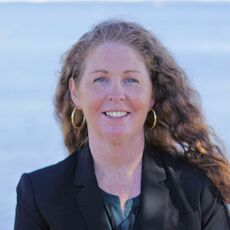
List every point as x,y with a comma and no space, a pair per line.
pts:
33,37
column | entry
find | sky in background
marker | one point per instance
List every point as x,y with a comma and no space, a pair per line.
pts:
153,1
33,38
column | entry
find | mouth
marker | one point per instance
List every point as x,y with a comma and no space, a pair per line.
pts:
116,114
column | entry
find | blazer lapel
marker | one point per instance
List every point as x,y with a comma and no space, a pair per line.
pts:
155,194
88,194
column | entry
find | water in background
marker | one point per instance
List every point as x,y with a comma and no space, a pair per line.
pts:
34,36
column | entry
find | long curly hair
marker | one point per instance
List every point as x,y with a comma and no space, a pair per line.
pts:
180,129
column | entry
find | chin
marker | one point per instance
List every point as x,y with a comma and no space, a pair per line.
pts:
117,134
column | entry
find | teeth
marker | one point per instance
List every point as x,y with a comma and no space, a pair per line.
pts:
116,114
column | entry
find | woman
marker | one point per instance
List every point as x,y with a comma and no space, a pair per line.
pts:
141,156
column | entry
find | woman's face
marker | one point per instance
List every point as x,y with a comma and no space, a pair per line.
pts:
114,93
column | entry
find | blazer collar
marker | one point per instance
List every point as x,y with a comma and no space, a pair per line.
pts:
154,193
88,196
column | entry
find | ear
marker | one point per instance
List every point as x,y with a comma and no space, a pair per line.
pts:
74,93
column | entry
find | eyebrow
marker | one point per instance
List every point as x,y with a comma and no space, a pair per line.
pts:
105,71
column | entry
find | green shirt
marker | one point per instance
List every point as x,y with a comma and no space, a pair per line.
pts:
114,214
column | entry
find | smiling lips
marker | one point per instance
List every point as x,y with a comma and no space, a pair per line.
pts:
116,114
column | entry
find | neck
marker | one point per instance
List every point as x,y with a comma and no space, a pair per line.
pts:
120,163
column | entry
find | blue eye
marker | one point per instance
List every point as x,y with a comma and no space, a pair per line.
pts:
131,80
101,80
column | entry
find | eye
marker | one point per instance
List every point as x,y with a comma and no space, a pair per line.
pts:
131,80
101,80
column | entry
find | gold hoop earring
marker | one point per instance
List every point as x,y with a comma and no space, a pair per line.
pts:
72,120
155,119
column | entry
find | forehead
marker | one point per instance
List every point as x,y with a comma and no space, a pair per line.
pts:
114,56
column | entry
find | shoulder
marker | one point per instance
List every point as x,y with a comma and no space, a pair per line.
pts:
40,193
49,179
188,180
61,168
190,185
186,177
182,168
177,165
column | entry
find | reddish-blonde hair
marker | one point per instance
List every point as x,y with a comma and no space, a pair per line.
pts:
180,129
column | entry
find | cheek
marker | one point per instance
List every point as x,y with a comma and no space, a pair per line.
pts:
141,98
93,100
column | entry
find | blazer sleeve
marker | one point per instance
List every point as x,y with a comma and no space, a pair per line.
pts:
214,213
27,214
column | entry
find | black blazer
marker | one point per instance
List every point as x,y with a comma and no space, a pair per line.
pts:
174,196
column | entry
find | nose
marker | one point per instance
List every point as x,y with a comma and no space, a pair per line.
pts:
116,92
